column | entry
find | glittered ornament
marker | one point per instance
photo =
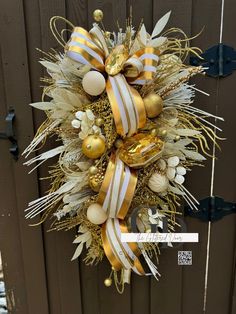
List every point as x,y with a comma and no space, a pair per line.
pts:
98,15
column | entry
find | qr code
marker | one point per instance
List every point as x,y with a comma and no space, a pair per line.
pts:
184,257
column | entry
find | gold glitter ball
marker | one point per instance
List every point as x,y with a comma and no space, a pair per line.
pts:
115,61
98,15
141,150
95,184
108,282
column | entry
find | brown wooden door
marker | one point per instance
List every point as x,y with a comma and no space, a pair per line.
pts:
39,276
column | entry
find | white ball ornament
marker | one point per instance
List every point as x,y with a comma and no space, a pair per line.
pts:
96,214
179,179
173,161
93,83
181,170
75,123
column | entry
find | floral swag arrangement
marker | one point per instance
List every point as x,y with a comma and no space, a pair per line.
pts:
121,106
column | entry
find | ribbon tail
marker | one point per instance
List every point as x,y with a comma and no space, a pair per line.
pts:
120,254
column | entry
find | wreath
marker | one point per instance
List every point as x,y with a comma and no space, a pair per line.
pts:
120,104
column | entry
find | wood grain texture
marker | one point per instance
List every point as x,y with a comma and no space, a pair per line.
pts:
141,11
222,264
193,277
16,87
77,12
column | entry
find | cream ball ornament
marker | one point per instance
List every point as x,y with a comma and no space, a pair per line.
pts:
93,83
96,214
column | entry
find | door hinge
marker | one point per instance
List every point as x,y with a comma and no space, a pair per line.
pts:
9,133
211,209
220,60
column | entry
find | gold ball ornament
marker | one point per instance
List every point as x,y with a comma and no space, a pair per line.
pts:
108,282
177,138
93,170
95,184
153,104
99,122
98,15
93,146
154,132
163,133
93,83
96,214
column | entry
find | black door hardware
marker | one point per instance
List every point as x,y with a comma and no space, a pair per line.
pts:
219,59
211,209
9,133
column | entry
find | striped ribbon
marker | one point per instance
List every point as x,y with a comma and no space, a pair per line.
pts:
120,254
127,105
117,190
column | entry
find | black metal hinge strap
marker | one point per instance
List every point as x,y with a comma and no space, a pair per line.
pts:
219,59
211,209
9,134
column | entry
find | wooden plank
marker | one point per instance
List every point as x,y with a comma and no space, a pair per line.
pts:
193,277
223,242
141,11
181,13
77,13
62,275
9,229
15,69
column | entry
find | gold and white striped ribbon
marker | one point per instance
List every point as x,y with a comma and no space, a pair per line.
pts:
117,189
127,105
120,254
82,49
149,57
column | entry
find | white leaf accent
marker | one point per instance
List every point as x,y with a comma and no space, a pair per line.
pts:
82,237
175,190
77,251
160,25
88,242
66,187
143,35
157,41
193,155
43,105
64,106
53,67
187,132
